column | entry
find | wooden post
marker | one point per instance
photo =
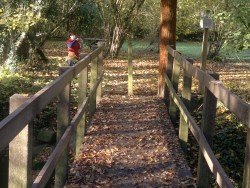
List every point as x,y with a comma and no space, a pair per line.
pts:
130,69
246,174
63,120
82,93
20,150
173,109
93,79
204,55
4,167
207,127
169,71
100,71
186,97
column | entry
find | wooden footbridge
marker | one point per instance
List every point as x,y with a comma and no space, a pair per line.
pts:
16,129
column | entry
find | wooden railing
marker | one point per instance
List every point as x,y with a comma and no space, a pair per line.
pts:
213,91
16,129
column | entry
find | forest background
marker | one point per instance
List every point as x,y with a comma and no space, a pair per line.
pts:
30,30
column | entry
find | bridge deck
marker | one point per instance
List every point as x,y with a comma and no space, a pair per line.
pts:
132,142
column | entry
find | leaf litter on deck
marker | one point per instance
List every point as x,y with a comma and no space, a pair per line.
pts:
131,142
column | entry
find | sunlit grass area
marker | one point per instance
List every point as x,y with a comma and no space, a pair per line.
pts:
188,49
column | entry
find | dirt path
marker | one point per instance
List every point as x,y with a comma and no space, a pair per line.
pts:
132,142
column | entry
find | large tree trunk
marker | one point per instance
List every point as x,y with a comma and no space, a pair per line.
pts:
167,37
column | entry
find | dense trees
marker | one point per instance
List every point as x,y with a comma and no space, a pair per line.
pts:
231,18
25,26
30,23
118,18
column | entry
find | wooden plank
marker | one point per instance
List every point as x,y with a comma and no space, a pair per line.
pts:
63,119
186,97
173,110
49,167
230,100
100,71
26,112
93,78
207,127
82,93
214,165
170,50
20,150
246,174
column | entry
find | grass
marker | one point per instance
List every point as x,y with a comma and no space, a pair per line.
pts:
188,49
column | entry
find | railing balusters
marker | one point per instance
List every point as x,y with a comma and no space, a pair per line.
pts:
207,127
186,97
93,78
63,119
214,91
173,109
100,71
20,150
246,174
82,93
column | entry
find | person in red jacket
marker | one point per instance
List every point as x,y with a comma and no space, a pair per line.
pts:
73,49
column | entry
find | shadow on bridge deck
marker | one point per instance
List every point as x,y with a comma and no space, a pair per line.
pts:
131,142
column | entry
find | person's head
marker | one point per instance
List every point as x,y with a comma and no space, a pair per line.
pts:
72,36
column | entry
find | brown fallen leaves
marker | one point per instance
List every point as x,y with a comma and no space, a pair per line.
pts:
131,142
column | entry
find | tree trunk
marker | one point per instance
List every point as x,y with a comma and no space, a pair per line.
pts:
120,22
116,42
167,37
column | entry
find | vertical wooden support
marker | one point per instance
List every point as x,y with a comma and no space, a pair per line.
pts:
173,109
20,150
169,71
186,97
204,49
82,93
204,55
207,127
4,167
246,174
63,119
130,69
100,71
93,78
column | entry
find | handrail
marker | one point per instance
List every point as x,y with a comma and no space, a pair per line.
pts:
45,173
13,124
217,170
219,92
27,111
229,99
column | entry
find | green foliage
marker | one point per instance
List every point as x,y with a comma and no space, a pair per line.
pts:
187,11
19,17
11,84
229,144
87,20
235,20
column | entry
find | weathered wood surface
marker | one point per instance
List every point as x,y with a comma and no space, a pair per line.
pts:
48,168
218,92
229,99
207,127
27,111
214,165
20,150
